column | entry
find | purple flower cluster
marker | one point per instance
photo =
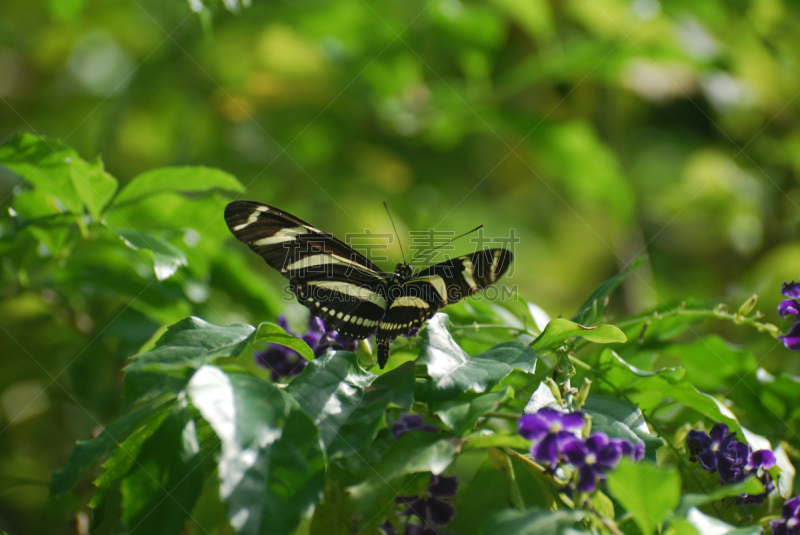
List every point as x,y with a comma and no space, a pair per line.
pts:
556,436
410,422
431,508
285,362
791,306
719,452
789,524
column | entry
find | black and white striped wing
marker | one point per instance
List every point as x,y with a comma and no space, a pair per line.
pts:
438,286
329,277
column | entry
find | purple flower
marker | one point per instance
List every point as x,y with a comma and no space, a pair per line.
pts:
549,430
791,289
792,338
791,306
411,422
285,362
592,457
789,524
432,510
634,451
732,459
704,448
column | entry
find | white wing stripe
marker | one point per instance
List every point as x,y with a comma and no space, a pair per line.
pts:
287,234
353,290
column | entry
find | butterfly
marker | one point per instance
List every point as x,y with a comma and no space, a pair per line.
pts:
353,295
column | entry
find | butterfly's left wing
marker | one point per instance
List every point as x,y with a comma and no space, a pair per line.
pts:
436,287
330,278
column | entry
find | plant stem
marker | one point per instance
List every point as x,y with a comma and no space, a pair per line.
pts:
719,313
506,415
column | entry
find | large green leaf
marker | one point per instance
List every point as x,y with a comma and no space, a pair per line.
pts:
182,179
185,346
452,371
593,308
512,522
272,466
461,413
88,452
159,493
619,418
346,402
559,330
647,492
166,257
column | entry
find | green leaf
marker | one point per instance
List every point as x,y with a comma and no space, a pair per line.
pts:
331,517
124,458
593,308
95,187
532,523
704,404
494,440
711,360
751,485
88,452
452,371
348,403
272,466
618,418
182,179
185,346
417,451
647,492
44,163
166,257
275,334
559,330
623,373
161,490
461,413
699,523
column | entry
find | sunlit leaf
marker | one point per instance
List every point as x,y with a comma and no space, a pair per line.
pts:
452,371
272,466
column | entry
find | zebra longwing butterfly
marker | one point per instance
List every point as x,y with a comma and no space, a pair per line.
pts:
353,295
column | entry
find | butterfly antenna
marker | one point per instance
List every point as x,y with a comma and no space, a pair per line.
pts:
447,242
395,232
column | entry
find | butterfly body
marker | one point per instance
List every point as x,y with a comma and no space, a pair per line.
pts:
353,295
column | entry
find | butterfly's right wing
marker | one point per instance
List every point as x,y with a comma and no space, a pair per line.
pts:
332,279
436,287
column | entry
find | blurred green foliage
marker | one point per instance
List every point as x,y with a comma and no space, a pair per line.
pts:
599,130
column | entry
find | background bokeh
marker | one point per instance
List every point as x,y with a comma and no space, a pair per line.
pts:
598,130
